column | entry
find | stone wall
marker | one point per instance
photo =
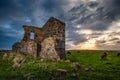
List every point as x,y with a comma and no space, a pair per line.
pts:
48,50
37,31
48,42
29,47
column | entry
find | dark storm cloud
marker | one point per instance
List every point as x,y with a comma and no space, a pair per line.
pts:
9,8
114,39
117,6
76,38
93,4
95,15
51,5
92,15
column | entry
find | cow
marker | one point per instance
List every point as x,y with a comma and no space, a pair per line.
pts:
118,54
104,55
69,52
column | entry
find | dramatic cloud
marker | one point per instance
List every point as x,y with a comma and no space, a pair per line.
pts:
96,19
90,24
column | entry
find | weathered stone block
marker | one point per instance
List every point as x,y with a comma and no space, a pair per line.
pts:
48,50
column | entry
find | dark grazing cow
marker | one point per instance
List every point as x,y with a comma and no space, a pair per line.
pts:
118,54
69,52
104,55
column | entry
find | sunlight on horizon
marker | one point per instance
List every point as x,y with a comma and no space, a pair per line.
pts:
89,45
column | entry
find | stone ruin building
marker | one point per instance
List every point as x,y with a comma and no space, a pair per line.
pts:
48,42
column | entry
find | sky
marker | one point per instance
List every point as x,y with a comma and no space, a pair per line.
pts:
90,24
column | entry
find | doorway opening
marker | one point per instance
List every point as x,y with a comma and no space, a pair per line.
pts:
38,49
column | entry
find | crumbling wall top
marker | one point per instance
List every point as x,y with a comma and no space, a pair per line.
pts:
53,20
26,27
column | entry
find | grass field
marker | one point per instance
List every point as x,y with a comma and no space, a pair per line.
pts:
91,67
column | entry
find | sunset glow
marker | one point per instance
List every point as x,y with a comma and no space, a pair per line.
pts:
89,45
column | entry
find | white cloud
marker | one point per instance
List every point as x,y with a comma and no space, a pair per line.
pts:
115,26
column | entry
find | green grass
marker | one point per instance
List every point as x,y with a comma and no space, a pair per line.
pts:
48,70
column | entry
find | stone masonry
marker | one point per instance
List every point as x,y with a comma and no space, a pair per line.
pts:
48,42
